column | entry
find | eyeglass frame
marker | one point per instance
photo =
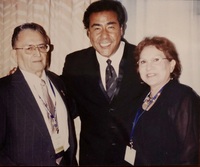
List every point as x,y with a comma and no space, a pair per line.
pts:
33,48
153,60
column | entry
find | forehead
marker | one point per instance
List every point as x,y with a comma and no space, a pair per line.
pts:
103,17
151,51
29,36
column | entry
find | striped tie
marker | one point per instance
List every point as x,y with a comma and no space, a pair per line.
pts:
111,79
49,104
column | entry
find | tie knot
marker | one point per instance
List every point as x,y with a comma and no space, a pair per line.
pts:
109,62
43,83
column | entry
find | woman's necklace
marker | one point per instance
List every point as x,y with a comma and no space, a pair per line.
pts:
149,101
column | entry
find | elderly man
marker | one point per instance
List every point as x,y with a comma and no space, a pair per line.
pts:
36,125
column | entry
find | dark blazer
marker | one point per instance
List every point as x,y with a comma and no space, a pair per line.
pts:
105,124
168,134
24,137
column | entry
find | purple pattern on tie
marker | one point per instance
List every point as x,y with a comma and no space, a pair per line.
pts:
111,79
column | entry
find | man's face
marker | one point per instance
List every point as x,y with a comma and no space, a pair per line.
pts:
34,62
105,32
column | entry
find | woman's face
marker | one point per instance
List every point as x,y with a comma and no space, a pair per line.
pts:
154,67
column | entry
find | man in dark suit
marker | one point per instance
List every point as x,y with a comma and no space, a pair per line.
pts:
106,116
36,128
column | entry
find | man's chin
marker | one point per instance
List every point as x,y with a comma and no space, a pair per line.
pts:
105,54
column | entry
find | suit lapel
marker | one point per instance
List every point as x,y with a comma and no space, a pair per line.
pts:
121,73
97,75
92,76
28,103
60,88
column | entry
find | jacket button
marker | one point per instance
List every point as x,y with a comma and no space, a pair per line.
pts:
111,110
113,144
113,127
52,156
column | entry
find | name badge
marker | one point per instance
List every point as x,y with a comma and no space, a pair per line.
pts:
58,145
130,155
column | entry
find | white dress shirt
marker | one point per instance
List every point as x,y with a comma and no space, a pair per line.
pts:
115,58
34,83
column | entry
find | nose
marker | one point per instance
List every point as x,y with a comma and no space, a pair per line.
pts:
36,52
104,33
149,65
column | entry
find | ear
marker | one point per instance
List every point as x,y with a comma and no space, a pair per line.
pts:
122,30
88,33
172,65
14,55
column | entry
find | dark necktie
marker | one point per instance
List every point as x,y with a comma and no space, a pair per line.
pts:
111,79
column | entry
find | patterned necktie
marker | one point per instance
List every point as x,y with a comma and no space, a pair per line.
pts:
111,79
48,103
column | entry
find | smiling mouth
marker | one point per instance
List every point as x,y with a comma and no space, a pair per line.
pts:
151,75
37,61
105,44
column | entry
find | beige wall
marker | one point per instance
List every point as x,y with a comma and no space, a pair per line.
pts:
179,20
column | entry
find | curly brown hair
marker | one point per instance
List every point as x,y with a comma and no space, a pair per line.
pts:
166,46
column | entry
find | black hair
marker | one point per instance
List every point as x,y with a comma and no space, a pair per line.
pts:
32,26
105,5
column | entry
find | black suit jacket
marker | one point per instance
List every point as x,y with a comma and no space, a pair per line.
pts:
105,125
24,137
168,134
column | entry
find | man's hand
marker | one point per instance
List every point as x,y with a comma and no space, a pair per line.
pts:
12,71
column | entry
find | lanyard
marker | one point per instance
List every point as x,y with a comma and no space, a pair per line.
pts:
52,88
53,117
47,109
140,112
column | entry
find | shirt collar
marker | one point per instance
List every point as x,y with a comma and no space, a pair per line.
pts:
32,78
116,57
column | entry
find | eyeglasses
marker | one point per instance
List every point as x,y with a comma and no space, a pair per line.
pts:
44,48
154,61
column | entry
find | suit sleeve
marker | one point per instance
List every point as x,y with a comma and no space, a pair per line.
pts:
4,103
67,76
187,124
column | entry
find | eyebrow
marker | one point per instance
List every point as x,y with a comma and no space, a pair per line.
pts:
109,23
28,45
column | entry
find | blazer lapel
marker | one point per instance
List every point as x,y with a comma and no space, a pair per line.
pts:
121,73
28,103
96,70
61,89
92,75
